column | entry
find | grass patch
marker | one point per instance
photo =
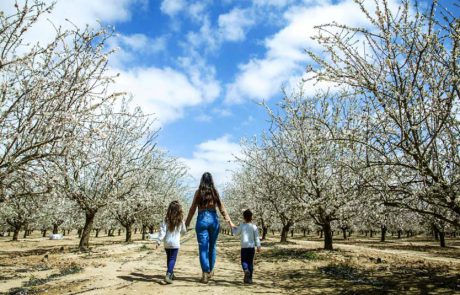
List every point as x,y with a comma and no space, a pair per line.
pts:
348,272
289,254
144,247
19,291
68,270
34,281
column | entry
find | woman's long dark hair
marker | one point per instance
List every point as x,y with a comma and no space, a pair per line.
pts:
174,216
207,191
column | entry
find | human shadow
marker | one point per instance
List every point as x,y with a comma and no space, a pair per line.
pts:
140,277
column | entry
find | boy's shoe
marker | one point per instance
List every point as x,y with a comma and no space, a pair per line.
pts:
211,274
205,278
247,277
168,278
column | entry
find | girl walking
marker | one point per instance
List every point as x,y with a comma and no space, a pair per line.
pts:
207,199
249,237
170,231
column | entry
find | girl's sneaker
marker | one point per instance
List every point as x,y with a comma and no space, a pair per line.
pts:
168,278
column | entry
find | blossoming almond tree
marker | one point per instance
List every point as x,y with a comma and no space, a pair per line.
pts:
101,168
404,69
46,90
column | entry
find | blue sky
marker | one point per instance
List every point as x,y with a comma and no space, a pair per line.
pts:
202,66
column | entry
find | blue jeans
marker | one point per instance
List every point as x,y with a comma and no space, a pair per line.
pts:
171,256
247,259
207,231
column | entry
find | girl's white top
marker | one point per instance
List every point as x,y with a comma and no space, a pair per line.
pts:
171,238
249,235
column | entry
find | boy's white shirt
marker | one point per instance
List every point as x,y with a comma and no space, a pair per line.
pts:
171,238
249,235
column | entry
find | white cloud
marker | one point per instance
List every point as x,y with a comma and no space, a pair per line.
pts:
285,59
276,3
78,12
164,92
172,7
130,48
233,25
215,156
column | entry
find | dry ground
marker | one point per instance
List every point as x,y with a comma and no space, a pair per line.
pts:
358,266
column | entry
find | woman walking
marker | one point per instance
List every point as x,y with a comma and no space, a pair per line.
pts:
207,224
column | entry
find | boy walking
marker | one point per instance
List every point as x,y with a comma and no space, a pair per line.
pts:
249,237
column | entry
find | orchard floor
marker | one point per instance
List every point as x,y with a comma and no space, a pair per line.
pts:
357,266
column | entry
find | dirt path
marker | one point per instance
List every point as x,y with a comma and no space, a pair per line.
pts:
299,267
139,268
143,273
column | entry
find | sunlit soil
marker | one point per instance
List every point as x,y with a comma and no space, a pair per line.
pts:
359,265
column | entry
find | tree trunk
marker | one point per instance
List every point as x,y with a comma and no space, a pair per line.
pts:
128,229
399,233
44,233
371,233
135,230
16,233
327,236
344,232
144,231
85,235
304,233
264,232
55,229
119,232
321,234
442,240
26,231
79,232
292,233
285,231
97,232
383,231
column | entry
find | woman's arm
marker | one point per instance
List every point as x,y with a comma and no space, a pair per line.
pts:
224,213
192,210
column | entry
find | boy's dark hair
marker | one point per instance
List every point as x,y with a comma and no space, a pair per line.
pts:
247,215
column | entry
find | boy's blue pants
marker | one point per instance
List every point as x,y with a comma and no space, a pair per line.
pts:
247,259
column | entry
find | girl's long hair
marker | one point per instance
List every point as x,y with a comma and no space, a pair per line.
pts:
174,216
207,191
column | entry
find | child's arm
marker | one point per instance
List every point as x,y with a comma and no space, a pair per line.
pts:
256,238
236,230
162,233
183,228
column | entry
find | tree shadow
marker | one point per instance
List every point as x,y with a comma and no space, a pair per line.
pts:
340,278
